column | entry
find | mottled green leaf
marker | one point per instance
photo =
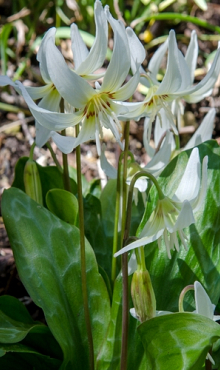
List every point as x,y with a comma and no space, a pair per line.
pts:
178,341
47,255
95,233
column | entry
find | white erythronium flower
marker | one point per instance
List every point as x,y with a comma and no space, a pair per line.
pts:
95,107
85,64
171,216
177,82
202,134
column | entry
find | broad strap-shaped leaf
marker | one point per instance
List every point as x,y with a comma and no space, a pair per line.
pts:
178,341
202,259
47,255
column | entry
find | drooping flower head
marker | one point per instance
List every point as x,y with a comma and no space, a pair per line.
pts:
177,82
172,215
94,107
85,64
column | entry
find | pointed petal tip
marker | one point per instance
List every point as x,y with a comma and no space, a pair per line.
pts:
73,27
129,31
97,4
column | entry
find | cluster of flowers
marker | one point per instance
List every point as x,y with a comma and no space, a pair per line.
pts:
94,105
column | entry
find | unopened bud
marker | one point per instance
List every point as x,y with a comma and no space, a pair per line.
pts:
143,295
32,181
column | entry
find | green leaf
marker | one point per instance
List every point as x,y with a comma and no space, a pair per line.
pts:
20,357
50,177
110,354
95,188
178,341
13,308
12,331
16,325
108,204
95,233
63,204
4,35
47,255
202,259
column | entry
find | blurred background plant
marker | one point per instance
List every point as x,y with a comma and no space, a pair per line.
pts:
23,23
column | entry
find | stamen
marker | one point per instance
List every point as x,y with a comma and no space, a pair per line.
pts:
167,243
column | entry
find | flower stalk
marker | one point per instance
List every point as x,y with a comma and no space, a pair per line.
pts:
117,217
83,255
124,258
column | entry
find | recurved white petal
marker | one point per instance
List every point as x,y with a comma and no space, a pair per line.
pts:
87,132
198,201
173,77
64,143
127,90
78,46
185,218
185,72
42,134
190,183
108,169
119,65
155,61
41,55
39,91
132,111
162,157
140,242
203,88
51,120
50,102
137,50
97,54
73,88
204,132
203,304
192,54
